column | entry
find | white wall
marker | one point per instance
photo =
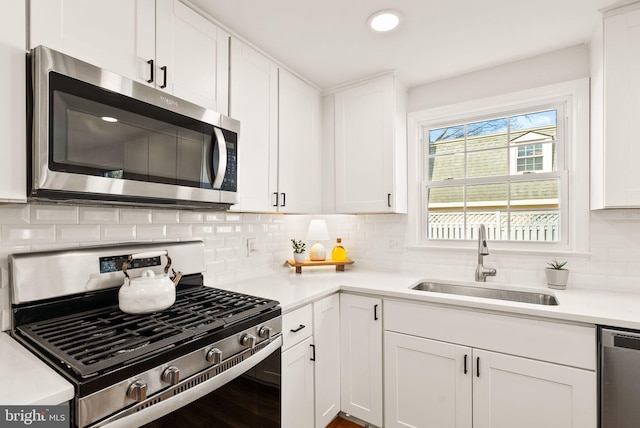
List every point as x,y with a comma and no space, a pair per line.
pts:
553,67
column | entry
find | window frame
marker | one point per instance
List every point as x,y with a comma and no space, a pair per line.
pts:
510,177
574,95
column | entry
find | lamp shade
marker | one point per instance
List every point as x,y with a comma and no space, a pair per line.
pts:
318,231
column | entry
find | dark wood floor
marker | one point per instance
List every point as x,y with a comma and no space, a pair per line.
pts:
343,423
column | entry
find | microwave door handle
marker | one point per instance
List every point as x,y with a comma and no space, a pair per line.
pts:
222,158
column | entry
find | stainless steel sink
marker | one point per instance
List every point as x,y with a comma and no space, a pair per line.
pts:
488,293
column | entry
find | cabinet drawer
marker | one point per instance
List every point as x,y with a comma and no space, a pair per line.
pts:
296,326
567,344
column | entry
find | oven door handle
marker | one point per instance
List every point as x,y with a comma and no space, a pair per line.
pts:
221,143
169,405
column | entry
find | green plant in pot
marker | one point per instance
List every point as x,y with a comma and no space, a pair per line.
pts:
299,250
557,275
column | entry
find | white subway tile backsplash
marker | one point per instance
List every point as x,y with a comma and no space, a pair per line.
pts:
124,232
233,241
28,234
135,216
233,265
179,231
54,214
224,230
214,217
14,214
166,216
213,242
200,230
232,218
151,231
96,215
224,253
78,233
251,218
191,217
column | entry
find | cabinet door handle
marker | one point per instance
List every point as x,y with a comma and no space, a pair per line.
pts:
164,73
389,200
313,348
478,367
276,195
465,364
284,199
375,312
298,329
152,69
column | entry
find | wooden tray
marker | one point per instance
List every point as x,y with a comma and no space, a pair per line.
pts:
339,264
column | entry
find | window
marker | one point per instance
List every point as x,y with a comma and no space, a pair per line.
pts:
506,171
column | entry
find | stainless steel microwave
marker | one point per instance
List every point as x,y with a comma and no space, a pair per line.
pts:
100,137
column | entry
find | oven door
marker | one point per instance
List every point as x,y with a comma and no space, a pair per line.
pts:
98,140
244,396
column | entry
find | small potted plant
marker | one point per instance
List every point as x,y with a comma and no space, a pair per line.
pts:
298,250
557,275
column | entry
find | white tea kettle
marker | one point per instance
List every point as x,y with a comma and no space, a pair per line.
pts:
149,292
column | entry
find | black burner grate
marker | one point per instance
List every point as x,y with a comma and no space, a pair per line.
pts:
93,342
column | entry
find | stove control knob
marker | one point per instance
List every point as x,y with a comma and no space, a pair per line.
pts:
214,356
171,375
248,340
137,391
265,332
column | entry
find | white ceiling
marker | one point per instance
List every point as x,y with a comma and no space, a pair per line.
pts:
327,42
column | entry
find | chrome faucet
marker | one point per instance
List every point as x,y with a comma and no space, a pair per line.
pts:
483,272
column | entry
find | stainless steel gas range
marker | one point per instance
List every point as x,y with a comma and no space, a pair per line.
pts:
212,358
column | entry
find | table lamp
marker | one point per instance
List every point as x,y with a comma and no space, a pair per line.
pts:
317,232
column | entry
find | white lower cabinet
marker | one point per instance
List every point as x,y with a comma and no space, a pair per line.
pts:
361,357
511,391
453,382
311,364
326,338
297,385
425,383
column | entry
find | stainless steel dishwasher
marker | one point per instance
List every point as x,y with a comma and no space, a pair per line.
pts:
619,378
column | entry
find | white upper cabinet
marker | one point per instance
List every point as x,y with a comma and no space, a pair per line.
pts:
158,42
279,144
615,177
195,53
13,163
253,100
371,148
117,35
299,150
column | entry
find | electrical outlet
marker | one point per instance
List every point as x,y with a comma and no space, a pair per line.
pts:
393,244
251,246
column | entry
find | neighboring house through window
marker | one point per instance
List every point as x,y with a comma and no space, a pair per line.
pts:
505,172
505,162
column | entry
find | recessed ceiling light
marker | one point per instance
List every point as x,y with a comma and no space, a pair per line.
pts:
384,20
109,119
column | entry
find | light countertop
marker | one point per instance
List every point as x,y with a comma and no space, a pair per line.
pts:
26,380
575,305
30,381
